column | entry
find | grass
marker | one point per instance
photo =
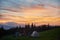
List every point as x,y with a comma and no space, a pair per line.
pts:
45,35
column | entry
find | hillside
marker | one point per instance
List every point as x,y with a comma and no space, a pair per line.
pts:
53,34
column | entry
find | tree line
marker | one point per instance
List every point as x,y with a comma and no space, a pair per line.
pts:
28,29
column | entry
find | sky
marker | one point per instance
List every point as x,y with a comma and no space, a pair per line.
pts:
30,11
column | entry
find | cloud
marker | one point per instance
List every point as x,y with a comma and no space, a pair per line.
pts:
19,3
0,16
27,11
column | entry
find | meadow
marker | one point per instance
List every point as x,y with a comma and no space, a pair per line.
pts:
53,34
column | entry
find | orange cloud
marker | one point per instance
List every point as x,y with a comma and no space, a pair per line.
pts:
37,15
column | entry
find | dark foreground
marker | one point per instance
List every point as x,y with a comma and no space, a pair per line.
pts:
53,34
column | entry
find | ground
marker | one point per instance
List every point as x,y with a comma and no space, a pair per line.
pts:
53,34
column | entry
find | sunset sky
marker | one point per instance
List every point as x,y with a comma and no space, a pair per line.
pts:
30,11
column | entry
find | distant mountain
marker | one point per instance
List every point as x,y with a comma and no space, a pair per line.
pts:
9,25
14,24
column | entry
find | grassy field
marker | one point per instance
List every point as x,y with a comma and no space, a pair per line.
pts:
53,34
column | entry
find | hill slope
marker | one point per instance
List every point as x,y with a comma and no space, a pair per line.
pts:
53,34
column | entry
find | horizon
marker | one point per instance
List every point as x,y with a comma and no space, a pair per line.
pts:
17,24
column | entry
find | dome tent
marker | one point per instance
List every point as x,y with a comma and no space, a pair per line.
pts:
35,34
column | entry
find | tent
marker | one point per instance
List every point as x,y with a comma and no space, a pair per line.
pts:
35,34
